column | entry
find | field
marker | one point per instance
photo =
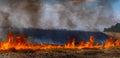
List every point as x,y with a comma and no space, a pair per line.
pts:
62,53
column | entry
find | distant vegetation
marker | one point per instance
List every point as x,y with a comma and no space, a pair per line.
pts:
115,28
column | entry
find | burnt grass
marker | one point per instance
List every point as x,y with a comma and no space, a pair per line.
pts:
62,53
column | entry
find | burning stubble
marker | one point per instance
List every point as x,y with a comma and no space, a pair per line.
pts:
86,15
20,43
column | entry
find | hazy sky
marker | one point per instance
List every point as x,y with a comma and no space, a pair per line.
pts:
116,8
86,15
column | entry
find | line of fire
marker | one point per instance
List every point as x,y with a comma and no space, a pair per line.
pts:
20,43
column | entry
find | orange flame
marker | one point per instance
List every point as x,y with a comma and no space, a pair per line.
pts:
20,42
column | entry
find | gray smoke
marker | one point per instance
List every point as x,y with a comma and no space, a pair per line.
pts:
85,15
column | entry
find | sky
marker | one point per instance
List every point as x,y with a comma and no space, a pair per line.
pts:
116,8
83,16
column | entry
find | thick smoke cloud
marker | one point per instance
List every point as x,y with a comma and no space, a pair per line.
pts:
85,15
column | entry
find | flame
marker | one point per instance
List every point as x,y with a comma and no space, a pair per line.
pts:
20,42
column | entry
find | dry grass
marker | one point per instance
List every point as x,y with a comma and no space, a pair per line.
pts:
62,53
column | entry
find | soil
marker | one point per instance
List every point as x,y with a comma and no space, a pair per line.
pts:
62,53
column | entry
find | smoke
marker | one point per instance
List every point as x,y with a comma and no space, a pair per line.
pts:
85,15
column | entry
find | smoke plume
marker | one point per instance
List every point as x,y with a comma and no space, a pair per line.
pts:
85,15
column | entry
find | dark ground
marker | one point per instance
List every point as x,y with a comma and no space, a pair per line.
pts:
63,53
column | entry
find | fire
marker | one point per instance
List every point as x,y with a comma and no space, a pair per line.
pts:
20,42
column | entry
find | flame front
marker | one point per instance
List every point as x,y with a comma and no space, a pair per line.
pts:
21,43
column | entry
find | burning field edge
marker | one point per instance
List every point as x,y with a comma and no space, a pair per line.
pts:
16,49
20,42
